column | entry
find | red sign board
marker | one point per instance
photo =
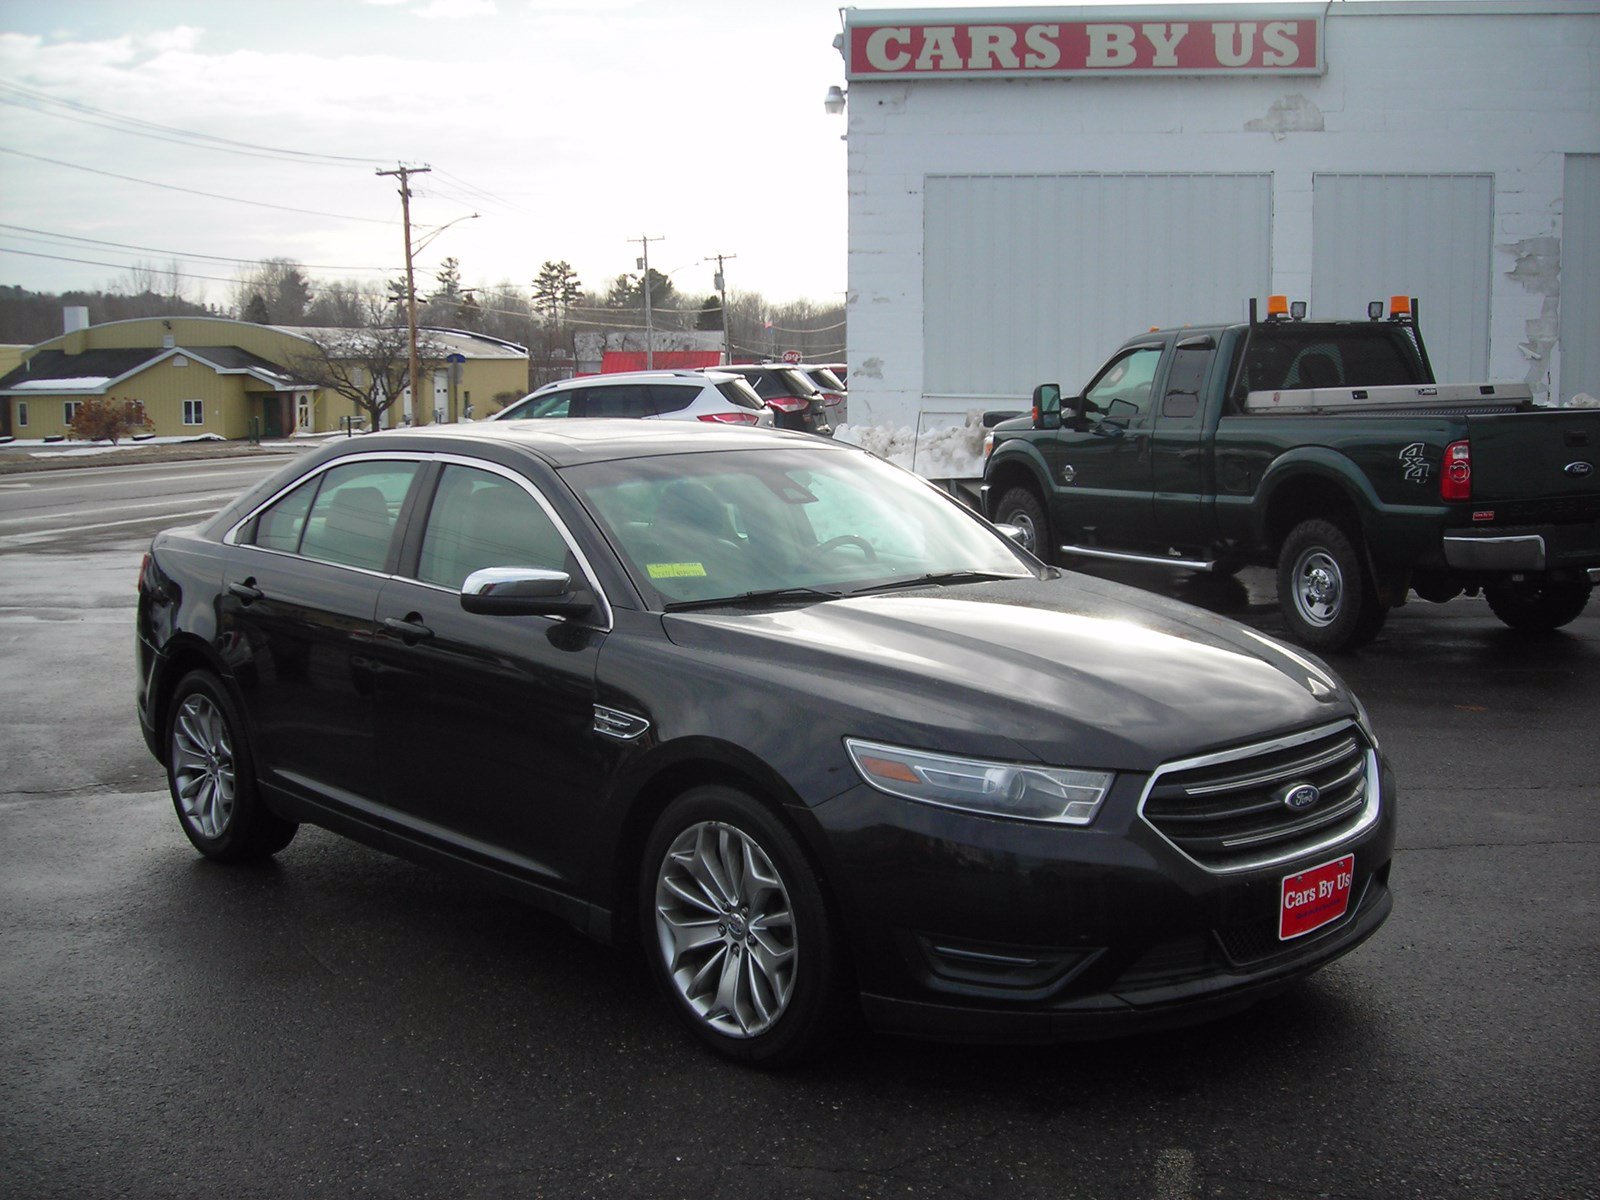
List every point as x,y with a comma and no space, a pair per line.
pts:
1313,898
1178,45
791,356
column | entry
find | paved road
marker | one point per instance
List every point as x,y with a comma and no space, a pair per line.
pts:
341,1023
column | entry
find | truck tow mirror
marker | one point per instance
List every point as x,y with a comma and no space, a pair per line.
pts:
1047,406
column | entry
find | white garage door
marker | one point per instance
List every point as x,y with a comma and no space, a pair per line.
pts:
1428,236
1036,279
1580,277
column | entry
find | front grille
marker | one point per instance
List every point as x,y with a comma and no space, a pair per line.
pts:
1228,813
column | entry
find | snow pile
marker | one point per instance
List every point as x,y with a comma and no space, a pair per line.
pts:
54,385
1581,400
952,451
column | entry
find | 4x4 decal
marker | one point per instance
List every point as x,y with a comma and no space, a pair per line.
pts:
1414,458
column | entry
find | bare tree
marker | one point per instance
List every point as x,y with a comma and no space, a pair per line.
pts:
283,287
370,366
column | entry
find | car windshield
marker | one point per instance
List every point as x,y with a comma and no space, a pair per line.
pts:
783,523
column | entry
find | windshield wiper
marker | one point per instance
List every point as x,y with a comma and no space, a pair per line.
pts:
935,578
783,593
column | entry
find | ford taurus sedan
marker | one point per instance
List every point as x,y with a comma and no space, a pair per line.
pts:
819,738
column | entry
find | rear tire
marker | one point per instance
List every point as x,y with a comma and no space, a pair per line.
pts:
212,779
1020,507
1325,591
737,930
1538,607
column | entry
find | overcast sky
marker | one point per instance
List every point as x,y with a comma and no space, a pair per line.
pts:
570,126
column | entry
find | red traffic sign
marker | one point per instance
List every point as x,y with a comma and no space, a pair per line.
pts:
791,356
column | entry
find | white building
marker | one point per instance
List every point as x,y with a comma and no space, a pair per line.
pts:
1030,186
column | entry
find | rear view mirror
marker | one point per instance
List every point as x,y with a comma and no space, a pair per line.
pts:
523,592
1047,406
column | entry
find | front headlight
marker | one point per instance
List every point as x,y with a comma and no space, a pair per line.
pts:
996,789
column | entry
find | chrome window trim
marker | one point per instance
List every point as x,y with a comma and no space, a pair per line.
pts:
1364,822
231,537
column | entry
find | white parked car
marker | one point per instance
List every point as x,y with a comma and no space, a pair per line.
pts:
709,396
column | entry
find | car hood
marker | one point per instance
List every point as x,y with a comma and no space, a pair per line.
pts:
1068,670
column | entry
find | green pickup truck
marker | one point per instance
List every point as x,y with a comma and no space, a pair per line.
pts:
1324,448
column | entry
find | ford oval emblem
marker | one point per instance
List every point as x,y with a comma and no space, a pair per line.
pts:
1579,469
1301,796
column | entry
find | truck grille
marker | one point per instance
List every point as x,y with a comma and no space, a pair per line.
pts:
1228,811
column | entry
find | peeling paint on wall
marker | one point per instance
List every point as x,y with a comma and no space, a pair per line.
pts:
1288,114
1537,268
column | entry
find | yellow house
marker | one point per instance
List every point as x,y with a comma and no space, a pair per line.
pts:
233,379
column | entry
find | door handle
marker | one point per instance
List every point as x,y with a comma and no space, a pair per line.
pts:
410,630
247,592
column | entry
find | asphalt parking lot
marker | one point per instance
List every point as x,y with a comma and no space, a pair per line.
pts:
341,1023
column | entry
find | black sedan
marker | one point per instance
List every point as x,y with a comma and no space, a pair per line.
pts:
815,734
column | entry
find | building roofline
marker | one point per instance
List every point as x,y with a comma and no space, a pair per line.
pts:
1224,11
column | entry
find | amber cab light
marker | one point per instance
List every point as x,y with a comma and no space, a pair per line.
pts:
1399,306
1455,481
1277,307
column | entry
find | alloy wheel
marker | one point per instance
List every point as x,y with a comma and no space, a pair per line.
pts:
203,766
726,929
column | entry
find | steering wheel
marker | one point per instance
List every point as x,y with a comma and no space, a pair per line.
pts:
844,539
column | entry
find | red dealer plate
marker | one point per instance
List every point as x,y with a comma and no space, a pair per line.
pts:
1312,898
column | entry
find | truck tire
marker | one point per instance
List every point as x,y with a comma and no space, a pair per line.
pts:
1538,606
1325,591
1020,507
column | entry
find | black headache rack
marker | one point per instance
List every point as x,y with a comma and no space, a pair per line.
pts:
1287,353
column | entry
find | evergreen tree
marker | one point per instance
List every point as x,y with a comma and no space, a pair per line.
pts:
556,288
256,310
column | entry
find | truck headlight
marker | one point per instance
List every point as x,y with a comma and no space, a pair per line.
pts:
1060,795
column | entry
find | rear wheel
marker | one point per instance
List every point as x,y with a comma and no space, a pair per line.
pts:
736,929
212,779
1538,605
1020,507
1325,591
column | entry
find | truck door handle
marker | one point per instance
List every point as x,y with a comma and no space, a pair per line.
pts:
247,592
411,630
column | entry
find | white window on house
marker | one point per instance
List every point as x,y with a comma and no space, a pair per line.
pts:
22,414
302,418
194,412
69,410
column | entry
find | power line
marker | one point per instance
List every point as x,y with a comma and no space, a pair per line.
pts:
136,125
172,187
47,236
119,266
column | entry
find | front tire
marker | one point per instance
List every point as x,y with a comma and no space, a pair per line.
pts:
1325,591
212,778
737,930
1020,507
1538,606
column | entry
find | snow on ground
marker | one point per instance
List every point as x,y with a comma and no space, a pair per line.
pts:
1581,400
953,450
39,448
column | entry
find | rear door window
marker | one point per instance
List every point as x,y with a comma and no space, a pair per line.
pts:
620,400
353,518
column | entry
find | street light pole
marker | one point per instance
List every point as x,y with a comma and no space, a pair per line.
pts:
404,174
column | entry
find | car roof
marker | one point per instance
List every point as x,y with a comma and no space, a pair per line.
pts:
624,377
568,443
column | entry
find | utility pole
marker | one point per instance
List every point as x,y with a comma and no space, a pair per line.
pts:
404,174
649,322
721,284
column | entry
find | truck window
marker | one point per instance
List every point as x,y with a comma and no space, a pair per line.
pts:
1287,357
1180,400
1125,384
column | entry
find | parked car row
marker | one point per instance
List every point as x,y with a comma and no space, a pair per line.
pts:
807,399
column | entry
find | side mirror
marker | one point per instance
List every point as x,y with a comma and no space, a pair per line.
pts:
1015,532
523,592
1047,406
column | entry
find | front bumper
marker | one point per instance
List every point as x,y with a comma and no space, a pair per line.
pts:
975,929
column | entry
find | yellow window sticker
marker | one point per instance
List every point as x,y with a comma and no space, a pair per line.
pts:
676,570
